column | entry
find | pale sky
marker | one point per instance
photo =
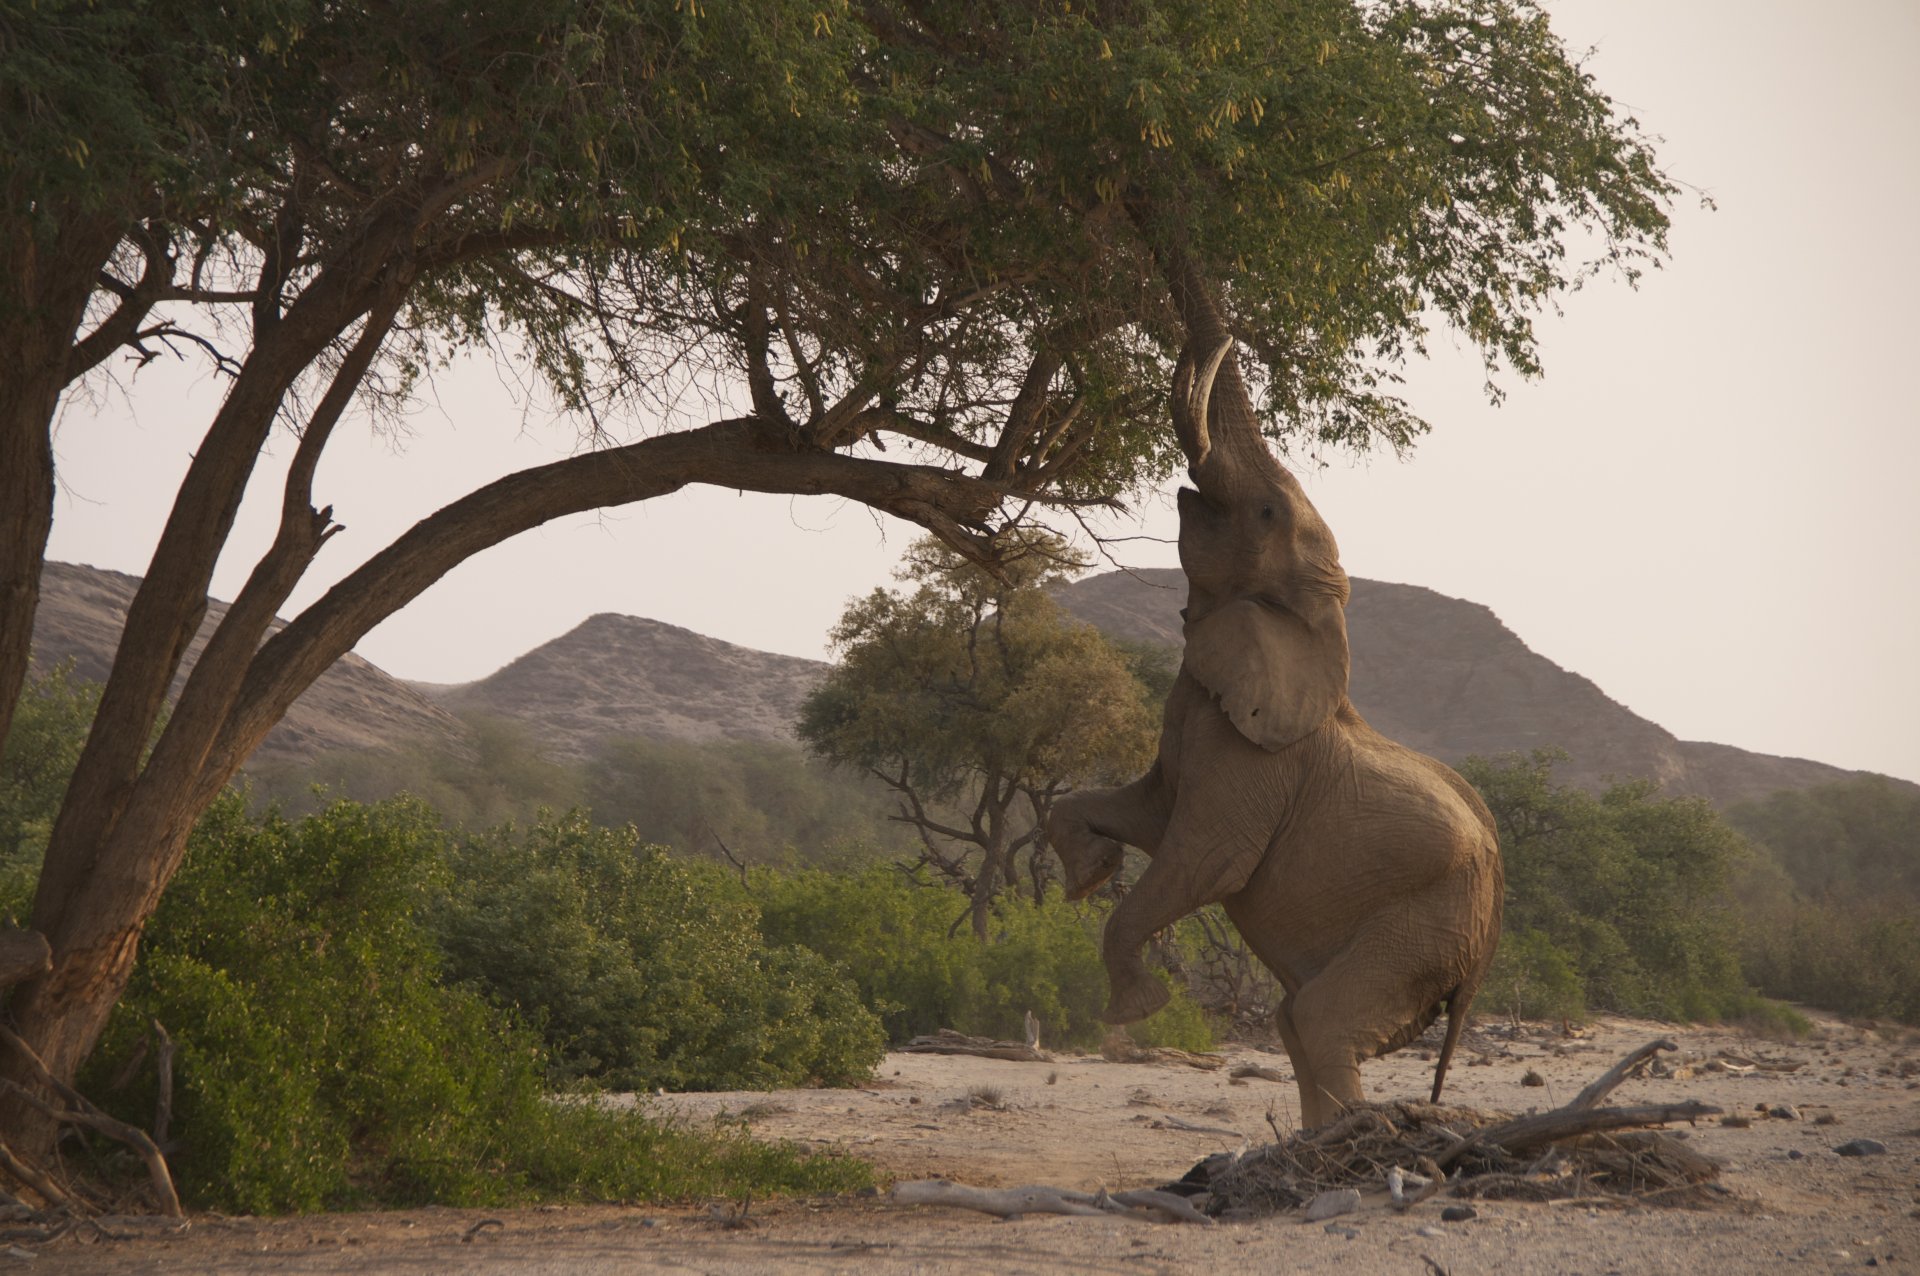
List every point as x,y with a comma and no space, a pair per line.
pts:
1710,505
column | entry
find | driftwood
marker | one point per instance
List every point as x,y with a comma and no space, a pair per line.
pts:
1579,1151
82,1112
1119,1048
947,1041
1604,1084
1167,1121
1258,1072
1014,1202
1581,1116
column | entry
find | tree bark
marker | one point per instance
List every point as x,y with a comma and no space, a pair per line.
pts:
44,286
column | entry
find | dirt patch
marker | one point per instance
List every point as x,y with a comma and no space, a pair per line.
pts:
1085,1123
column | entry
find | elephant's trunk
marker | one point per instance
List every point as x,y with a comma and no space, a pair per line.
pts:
1213,415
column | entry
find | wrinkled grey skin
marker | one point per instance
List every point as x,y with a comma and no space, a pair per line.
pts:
1365,875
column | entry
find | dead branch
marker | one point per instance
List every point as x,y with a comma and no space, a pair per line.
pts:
1146,1204
1167,1121
82,1112
1119,1048
1003,1202
1526,1133
1258,1072
947,1041
1606,1081
163,1099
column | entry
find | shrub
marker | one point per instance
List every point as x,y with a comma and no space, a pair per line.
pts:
1857,959
643,969
1532,979
1624,894
322,1061
901,940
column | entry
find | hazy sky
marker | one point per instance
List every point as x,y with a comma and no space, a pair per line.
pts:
1710,505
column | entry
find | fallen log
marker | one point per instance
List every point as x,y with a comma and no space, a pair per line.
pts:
1256,1071
1119,1048
947,1041
1523,1134
1147,1204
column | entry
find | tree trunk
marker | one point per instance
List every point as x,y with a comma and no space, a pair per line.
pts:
44,286
100,897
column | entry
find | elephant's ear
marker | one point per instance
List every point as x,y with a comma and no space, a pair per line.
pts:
1278,674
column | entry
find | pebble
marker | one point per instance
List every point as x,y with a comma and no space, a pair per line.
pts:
1332,1204
1341,1229
1795,1155
1861,1147
1785,1111
1458,1213
1429,1230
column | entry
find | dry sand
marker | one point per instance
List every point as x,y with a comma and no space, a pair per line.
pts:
1082,1122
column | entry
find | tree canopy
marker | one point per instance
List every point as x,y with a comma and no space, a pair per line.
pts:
925,257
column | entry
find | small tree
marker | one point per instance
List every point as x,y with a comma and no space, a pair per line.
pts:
976,694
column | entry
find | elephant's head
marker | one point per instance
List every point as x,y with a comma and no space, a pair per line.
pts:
1265,622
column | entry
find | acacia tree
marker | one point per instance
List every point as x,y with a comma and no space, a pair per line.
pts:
976,694
929,251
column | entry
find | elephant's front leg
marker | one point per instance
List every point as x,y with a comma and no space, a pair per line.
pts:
1089,830
1200,862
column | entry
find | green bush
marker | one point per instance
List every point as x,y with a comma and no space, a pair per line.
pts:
904,943
1857,959
1532,979
1618,901
643,969
323,1062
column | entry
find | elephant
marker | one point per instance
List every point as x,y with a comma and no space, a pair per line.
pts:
1365,875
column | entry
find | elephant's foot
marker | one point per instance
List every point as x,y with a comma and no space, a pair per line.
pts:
1135,998
1086,873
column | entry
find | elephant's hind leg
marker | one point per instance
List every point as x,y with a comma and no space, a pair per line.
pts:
1341,1016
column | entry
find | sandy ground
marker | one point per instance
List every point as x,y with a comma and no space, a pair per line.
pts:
1083,1122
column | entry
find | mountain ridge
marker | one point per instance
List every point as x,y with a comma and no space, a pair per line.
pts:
1440,674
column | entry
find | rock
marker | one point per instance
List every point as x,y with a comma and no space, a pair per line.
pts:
1784,1111
1861,1147
1429,1230
1333,1204
1795,1155
1458,1213
1341,1229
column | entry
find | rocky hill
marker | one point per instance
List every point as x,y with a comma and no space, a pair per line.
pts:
354,705
1446,677
1438,673
615,676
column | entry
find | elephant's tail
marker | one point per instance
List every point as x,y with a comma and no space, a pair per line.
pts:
1461,998
1457,1002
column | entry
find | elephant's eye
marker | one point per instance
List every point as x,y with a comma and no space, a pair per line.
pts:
1266,511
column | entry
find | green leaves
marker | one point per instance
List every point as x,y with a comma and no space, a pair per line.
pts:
1615,903
641,969
973,681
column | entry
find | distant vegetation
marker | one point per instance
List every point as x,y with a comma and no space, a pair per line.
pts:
977,701
765,802
372,1001
1616,902
1837,920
